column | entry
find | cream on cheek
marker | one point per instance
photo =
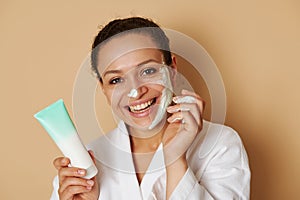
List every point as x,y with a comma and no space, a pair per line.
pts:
166,97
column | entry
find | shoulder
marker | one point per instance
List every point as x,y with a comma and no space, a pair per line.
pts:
219,161
219,135
217,143
103,140
213,133
111,144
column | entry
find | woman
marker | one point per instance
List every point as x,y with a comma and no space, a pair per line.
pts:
161,149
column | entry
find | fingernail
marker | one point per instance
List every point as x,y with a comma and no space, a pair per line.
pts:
89,187
90,182
175,119
81,171
172,110
64,161
175,99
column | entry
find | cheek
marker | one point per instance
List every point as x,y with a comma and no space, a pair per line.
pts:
113,97
108,96
157,87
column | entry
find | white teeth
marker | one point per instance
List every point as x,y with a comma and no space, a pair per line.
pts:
140,106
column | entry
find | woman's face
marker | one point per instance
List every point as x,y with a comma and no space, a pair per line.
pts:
132,62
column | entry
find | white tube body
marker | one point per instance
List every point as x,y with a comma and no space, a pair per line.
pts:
57,122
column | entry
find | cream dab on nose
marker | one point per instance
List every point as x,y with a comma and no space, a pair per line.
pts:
133,93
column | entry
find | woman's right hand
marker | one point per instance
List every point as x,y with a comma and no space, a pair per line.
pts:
71,184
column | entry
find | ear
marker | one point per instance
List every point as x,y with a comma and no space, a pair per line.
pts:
174,61
173,70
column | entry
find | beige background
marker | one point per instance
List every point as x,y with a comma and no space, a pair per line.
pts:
255,44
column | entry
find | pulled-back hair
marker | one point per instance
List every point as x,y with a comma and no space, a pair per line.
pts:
130,25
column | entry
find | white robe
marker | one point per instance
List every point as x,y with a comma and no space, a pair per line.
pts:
217,168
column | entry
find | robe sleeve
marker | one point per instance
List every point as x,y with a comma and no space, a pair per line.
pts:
225,176
54,195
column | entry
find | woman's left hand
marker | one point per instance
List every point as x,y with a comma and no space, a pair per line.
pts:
185,123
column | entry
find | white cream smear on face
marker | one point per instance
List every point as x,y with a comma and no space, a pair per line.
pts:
166,97
133,93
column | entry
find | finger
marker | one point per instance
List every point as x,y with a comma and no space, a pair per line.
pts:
177,108
184,99
66,172
180,117
61,162
190,99
187,92
73,181
73,190
72,171
190,93
188,121
192,108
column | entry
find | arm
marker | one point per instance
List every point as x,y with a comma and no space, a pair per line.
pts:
226,174
175,172
221,173
224,171
184,124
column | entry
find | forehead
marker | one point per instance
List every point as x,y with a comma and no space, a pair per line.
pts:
127,49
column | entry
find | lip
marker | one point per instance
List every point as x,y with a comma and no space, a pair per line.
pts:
145,112
141,101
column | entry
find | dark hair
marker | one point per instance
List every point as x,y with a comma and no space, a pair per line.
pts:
130,25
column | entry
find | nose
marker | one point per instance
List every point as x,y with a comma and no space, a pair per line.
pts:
135,89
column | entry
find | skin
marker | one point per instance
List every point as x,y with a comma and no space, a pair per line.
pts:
166,97
121,68
71,184
175,136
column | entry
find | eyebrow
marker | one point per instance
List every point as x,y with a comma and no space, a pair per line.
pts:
116,71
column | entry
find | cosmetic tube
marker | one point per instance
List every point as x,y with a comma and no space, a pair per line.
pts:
57,122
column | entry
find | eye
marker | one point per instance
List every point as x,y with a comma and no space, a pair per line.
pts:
149,71
115,81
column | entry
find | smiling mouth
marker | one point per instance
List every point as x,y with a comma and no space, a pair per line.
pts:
141,107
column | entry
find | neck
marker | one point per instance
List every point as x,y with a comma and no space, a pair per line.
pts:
146,140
